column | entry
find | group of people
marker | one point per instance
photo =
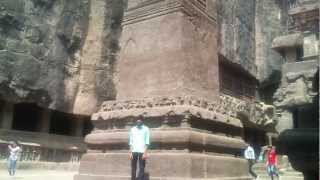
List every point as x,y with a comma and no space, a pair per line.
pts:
139,140
270,157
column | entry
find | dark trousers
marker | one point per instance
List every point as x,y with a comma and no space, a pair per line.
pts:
251,162
137,159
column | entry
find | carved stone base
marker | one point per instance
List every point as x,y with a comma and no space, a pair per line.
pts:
163,166
190,139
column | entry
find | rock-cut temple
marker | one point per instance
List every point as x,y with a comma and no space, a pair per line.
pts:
208,77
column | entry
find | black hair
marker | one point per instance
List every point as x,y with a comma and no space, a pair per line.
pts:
140,117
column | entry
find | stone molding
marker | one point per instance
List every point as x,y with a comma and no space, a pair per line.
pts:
151,9
287,41
304,8
304,18
186,137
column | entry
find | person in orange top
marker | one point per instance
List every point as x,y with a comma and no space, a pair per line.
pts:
272,162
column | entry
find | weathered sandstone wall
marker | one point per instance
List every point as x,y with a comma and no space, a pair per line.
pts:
59,53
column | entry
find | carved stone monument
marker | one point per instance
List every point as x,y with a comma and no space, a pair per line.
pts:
167,72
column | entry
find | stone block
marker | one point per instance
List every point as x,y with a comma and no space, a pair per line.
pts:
170,166
158,55
199,167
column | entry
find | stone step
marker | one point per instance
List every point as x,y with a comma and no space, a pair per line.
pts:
266,177
290,173
284,174
291,178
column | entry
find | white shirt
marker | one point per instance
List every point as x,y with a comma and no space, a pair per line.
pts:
139,138
14,152
249,153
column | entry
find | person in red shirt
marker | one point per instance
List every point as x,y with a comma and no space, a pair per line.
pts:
272,162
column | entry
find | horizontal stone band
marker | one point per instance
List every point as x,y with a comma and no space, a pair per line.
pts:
168,137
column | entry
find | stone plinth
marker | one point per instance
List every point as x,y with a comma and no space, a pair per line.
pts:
190,139
168,166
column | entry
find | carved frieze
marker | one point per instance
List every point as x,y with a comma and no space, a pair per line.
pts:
224,105
225,109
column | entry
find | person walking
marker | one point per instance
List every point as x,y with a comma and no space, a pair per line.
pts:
272,162
250,156
14,151
139,140
262,155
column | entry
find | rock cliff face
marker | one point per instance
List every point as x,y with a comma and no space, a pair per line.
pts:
270,22
42,59
236,20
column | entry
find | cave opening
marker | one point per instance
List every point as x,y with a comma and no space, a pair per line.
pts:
61,123
26,117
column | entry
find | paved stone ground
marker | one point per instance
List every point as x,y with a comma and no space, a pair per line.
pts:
37,175
289,174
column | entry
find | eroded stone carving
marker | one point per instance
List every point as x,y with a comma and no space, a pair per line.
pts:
296,90
263,114
224,105
225,109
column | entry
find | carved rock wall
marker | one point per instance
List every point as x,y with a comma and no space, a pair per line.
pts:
270,22
297,85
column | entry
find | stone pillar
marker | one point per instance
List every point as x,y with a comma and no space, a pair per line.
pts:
167,72
7,111
77,126
44,121
269,139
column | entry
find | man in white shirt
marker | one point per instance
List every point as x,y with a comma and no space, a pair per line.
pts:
139,140
250,156
14,151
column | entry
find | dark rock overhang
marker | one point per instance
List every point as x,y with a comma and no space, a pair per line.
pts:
237,67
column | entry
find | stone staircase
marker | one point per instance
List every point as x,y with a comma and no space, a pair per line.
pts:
287,173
